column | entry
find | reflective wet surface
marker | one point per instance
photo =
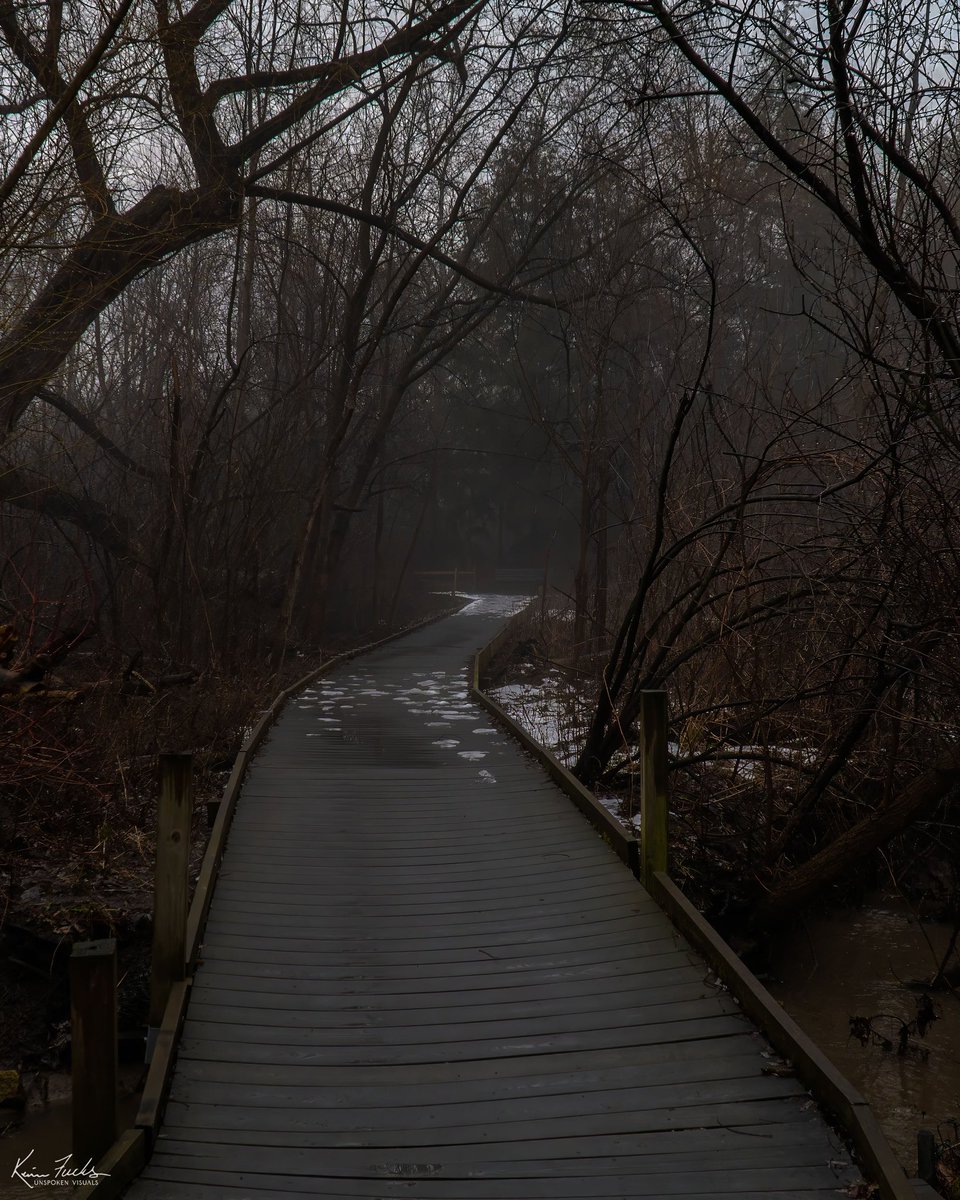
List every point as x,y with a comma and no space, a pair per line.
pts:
861,964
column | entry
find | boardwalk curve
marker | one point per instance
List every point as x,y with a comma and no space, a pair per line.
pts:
424,975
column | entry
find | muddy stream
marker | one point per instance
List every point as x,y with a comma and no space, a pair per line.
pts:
42,1134
856,964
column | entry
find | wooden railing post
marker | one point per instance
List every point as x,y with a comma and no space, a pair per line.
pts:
926,1156
171,883
654,855
93,1021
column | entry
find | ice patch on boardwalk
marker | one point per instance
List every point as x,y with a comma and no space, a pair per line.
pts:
493,606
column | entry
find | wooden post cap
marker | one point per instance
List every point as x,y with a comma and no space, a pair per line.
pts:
104,948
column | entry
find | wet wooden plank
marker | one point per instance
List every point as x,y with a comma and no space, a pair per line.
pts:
221,1049
479,973
590,1165
347,956
239,904
336,1007
406,1092
540,885
281,1027
637,1103
437,853
470,1070
793,1140
470,881
401,992
766,1182
169,1185
422,940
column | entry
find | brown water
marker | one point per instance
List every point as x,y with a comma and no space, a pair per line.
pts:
46,1130
852,964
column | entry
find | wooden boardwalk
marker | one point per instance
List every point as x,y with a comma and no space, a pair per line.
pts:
426,976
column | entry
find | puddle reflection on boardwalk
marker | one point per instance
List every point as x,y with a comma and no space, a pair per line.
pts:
425,975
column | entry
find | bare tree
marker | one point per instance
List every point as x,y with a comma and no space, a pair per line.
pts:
854,102
183,138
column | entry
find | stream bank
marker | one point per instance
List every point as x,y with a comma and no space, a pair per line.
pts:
862,963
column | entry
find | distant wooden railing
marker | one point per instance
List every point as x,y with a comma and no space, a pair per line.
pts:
648,858
454,576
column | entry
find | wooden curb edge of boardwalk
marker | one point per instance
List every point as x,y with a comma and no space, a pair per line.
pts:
832,1091
127,1157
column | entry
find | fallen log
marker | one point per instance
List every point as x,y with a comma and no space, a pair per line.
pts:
138,684
802,884
26,675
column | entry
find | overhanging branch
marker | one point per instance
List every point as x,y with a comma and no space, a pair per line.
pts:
403,235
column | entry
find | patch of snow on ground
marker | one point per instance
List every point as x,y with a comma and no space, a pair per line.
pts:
472,755
551,710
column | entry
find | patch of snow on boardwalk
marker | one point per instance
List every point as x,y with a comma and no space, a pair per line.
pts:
493,606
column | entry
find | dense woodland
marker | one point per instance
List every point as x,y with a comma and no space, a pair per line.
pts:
299,299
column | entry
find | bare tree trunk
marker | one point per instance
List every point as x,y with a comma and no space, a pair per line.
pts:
600,585
581,581
295,575
377,566
411,549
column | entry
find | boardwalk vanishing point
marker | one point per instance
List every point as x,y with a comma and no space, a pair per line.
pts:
425,975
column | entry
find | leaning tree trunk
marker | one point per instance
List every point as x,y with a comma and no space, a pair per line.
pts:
803,883
116,250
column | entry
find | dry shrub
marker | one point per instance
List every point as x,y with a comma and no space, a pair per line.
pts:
78,791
